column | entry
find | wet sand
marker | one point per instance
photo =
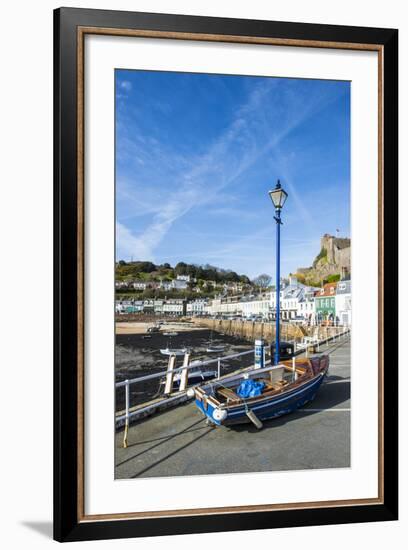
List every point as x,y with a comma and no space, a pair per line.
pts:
136,356
140,327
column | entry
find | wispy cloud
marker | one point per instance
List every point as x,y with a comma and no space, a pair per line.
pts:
258,128
125,85
130,245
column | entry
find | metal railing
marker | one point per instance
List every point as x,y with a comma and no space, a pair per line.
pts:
192,365
169,372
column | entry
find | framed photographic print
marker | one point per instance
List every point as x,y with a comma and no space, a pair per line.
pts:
225,274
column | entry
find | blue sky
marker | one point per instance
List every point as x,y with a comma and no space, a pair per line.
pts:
196,155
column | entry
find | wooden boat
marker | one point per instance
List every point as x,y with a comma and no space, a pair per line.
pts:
196,375
173,351
283,391
213,348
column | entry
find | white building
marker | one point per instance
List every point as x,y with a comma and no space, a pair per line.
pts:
148,306
343,302
140,285
257,306
196,307
233,287
185,278
121,284
306,307
296,300
174,307
240,306
158,307
166,285
179,284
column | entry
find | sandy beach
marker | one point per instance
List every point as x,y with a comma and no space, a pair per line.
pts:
140,327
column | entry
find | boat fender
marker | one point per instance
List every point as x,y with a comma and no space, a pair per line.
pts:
190,392
219,414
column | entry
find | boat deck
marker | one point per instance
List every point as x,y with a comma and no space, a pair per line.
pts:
178,441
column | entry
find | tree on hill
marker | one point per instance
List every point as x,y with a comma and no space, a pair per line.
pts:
332,278
244,280
181,269
147,270
300,277
263,281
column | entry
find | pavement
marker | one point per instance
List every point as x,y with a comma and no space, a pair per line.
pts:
178,442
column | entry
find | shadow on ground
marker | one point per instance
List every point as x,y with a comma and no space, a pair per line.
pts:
44,528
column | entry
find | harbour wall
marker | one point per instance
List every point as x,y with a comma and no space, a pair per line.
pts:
250,330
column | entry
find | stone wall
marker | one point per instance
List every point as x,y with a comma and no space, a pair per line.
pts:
343,259
249,330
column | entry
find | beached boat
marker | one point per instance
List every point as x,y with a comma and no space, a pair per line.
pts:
196,375
173,351
261,394
213,348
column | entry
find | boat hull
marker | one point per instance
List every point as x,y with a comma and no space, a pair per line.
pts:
194,378
173,351
265,409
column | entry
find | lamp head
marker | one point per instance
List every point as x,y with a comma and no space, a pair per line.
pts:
278,196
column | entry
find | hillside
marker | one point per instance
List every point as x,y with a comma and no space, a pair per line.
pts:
142,271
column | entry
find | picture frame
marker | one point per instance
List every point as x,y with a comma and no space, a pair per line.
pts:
71,26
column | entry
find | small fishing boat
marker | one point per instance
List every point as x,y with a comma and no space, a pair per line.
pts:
261,394
213,348
196,375
173,351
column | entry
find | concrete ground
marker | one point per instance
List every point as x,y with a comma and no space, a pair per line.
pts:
177,442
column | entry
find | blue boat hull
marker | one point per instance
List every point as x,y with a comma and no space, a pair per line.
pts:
267,408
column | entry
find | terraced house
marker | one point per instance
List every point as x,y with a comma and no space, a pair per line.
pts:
325,302
343,302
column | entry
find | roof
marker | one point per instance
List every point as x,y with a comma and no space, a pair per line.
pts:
329,289
343,287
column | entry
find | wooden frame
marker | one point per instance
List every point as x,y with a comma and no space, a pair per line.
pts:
70,28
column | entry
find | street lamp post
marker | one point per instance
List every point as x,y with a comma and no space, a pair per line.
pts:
278,197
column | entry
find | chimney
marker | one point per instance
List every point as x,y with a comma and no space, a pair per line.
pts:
293,280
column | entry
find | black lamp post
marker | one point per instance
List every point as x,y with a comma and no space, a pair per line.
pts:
278,198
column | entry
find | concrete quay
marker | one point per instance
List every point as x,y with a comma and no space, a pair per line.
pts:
178,442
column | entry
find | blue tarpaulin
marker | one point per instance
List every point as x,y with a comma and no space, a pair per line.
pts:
250,388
